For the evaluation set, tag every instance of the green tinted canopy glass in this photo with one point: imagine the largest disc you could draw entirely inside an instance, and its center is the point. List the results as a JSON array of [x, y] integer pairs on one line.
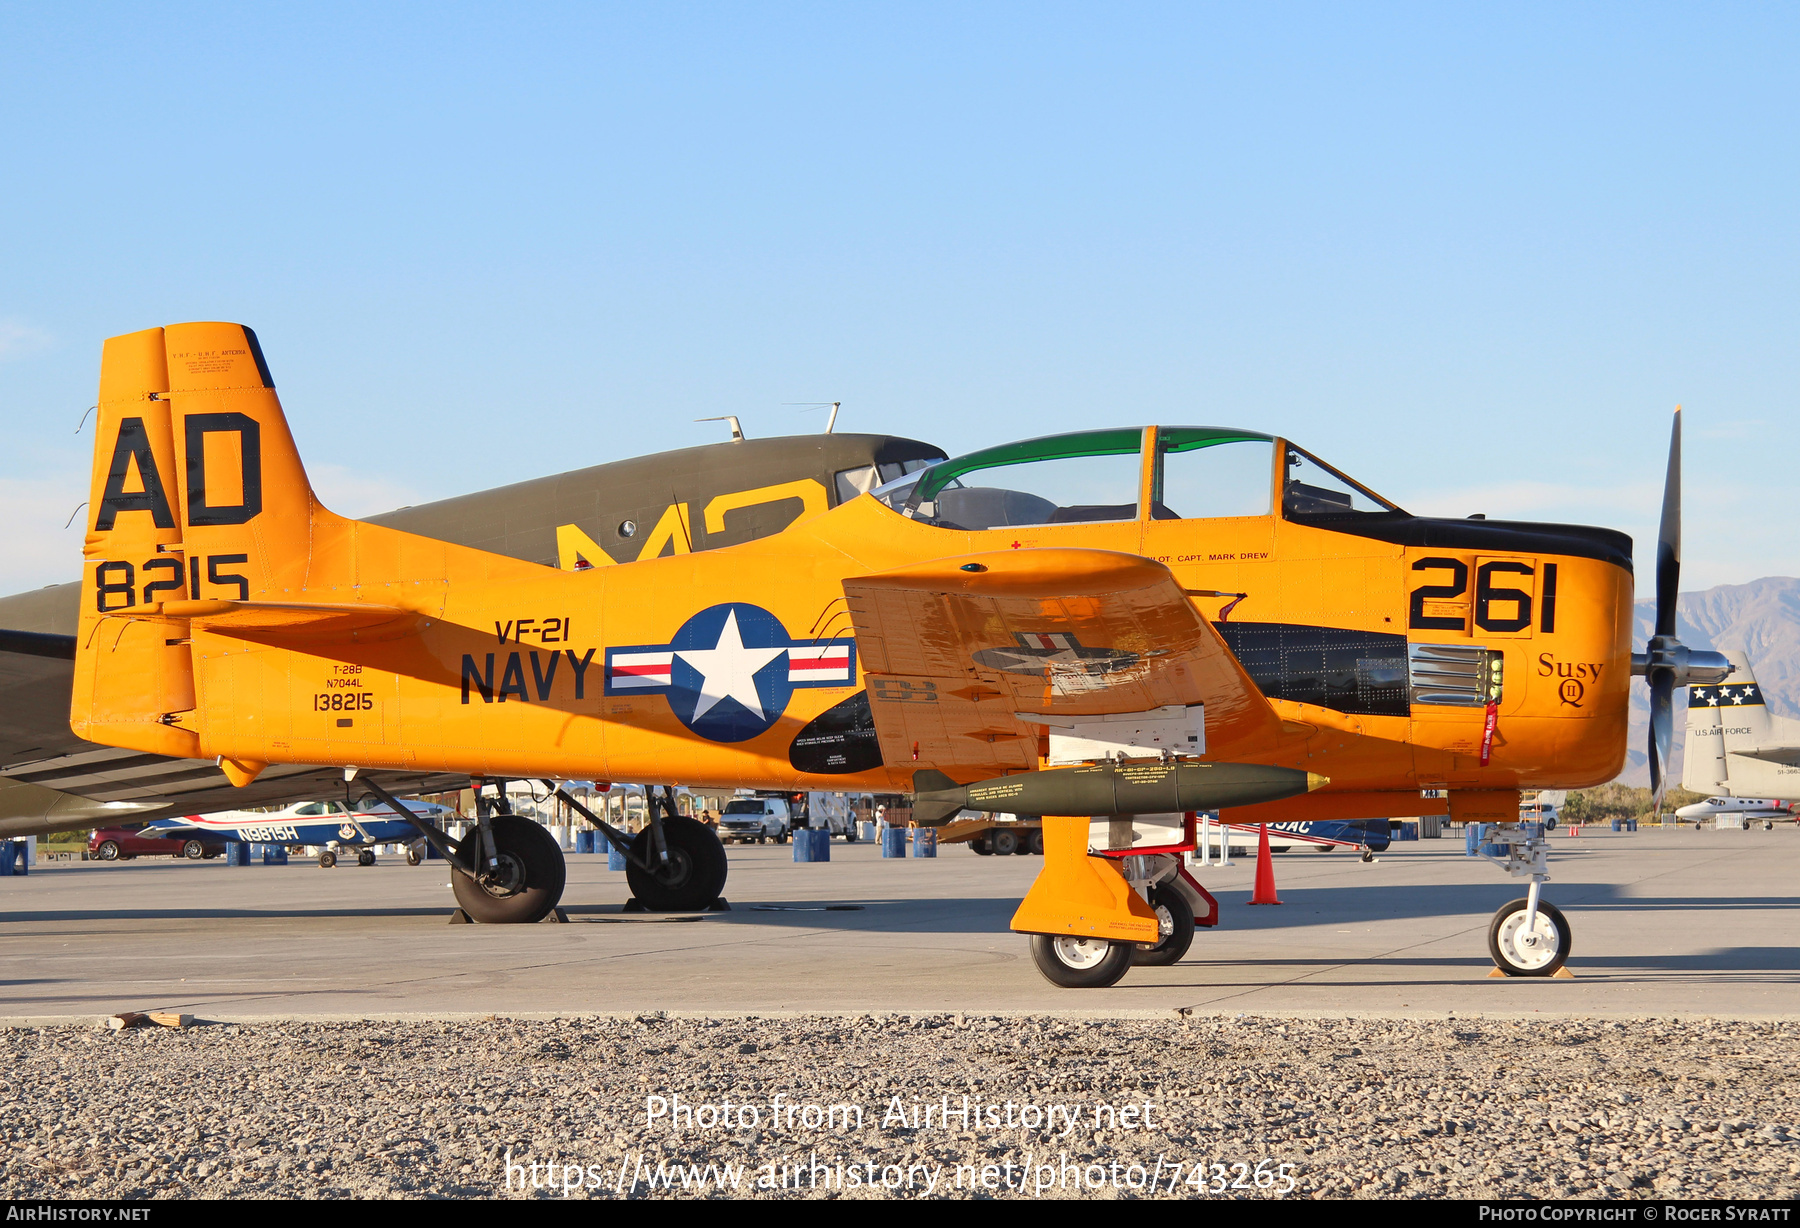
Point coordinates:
[[1188, 438], [1051, 447]]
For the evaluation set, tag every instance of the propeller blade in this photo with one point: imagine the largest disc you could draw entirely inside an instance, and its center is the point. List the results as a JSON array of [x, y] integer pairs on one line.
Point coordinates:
[[1662, 732], [1668, 537]]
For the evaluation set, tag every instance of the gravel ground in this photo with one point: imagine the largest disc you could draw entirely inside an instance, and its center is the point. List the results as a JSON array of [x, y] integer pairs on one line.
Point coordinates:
[[1357, 1107]]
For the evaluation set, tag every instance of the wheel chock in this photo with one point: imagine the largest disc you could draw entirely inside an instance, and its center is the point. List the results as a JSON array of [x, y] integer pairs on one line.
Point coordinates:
[[558, 916], [719, 905], [634, 905], [1561, 974], [459, 917]]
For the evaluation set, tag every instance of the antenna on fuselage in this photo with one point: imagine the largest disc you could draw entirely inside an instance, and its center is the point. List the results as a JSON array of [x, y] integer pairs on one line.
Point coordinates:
[[737, 432], [830, 422]]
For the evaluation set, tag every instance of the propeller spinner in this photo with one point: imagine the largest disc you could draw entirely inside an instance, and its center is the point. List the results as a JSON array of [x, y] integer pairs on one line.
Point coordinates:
[[1669, 663]]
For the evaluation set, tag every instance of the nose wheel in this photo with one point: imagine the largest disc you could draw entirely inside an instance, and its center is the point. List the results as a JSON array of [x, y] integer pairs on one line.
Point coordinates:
[[1537, 949]]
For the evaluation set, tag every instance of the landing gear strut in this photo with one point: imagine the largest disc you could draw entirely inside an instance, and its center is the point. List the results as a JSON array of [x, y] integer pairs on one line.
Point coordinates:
[[522, 881], [508, 870], [676, 864], [1528, 937]]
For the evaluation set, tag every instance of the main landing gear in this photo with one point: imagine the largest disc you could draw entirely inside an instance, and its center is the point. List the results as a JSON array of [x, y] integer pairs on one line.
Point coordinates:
[[508, 869], [676, 864], [1127, 909], [519, 881], [1527, 937]]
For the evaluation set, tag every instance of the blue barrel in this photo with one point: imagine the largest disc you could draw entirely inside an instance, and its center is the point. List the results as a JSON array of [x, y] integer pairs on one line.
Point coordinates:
[[1472, 833], [584, 841], [615, 860], [893, 842], [1409, 831], [9, 858], [1631, 824], [924, 842], [812, 844], [1617, 825], [237, 853]]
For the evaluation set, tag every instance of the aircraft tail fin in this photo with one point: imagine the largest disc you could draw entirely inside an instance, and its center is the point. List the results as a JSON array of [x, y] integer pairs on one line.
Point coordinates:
[[201, 521], [1725, 720]]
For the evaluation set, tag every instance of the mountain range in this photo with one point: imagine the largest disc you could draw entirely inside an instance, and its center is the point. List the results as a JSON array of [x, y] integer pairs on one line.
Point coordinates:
[[1761, 619]]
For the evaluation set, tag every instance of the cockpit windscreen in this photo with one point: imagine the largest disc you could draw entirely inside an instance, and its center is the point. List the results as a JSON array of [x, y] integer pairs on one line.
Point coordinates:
[[1313, 490]]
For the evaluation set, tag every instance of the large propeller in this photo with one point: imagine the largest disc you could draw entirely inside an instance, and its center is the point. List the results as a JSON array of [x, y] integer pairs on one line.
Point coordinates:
[[1669, 663]]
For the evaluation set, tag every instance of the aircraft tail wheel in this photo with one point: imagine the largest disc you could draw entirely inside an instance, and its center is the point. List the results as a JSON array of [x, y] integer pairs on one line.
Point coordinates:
[[1175, 921], [327, 859], [1080, 963], [526, 884], [694, 875], [1539, 953]]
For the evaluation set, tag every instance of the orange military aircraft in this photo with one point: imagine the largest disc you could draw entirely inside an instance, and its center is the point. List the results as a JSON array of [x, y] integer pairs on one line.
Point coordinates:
[[1113, 629]]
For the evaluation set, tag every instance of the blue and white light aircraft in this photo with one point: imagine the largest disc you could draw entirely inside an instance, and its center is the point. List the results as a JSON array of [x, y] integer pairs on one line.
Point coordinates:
[[332, 827]]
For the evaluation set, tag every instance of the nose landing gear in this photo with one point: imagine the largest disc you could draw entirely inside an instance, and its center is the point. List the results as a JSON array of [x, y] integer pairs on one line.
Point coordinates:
[[1527, 937]]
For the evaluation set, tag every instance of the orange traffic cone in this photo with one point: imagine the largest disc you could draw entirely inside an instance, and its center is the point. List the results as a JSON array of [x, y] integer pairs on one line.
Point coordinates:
[[1265, 871]]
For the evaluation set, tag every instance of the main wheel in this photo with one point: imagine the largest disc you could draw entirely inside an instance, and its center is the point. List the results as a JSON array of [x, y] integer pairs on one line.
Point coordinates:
[[365, 857], [1004, 843], [1539, 953], [1080, 963], [1325, 848], [526, 884], [327, 859], [1175, 922], [693, 876], [193, 850]]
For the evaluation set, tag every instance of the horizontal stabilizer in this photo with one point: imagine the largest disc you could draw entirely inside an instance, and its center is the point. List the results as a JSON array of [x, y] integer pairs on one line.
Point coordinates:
[[273, 619]]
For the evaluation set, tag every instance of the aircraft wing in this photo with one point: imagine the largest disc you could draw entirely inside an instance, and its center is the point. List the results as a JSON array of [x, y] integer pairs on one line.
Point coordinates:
[[960, 653]]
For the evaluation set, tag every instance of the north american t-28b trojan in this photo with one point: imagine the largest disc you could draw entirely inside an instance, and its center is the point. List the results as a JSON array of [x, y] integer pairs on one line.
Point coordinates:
[[1114, 629]]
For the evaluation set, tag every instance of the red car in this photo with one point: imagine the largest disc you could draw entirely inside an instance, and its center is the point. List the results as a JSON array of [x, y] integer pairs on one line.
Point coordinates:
[[124, 843]]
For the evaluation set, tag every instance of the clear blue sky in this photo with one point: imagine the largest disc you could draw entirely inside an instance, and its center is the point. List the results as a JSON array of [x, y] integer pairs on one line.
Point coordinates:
[[1474, 255]]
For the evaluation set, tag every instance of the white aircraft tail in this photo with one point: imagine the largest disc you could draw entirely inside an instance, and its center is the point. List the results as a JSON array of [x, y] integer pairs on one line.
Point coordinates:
[[1734, 746]]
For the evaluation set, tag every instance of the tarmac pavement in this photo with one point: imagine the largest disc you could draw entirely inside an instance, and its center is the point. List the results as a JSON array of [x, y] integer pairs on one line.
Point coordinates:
[[1666, 923]]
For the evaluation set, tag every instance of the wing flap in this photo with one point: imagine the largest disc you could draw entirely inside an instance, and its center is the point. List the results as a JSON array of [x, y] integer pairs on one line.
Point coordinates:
[[962, 652]]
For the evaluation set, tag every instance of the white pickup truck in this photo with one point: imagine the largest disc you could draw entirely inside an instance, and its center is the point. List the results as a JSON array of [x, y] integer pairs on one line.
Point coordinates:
[[755, 818]]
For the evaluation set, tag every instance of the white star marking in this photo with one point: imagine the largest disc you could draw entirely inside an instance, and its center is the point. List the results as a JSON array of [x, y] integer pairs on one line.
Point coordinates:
[[728, 670]]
